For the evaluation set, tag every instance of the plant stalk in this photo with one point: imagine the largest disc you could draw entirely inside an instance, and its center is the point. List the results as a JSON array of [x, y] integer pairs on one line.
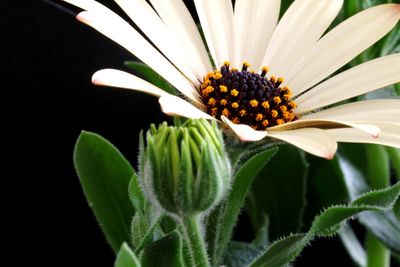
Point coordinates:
[[379, 177], [195, 241]]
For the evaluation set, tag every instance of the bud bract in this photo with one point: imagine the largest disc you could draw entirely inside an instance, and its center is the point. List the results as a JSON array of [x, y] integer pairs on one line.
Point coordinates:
[[185, 170]]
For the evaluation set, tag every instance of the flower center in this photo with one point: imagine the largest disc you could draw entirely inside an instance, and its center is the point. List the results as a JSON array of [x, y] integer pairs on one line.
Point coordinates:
[[247, 97]]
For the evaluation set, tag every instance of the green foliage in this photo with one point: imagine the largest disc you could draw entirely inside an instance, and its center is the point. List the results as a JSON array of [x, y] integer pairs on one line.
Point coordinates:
[[279, 191], [105, 175], [126, 257], [221, 221], [165, 252], [327, 223]]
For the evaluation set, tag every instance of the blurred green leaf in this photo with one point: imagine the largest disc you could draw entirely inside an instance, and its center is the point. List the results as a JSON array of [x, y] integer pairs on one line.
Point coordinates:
[[353, 246], [394, 155], [105, 174], [240, 254], [384, 226], [164, 252], [327, 223], [148, 74], [279, 191], [126, 257], [221, 221]]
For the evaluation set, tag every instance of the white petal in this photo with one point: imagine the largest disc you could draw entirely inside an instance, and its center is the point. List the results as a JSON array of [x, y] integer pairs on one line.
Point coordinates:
[[359, 80], [342, 44], [178, 19], [299, 29], [176, 106], [312, 140], [390, 135], [121, 79], [122, 33], [378, 110], [244, 132], [326, 124], [144, 16], [216, 17], [254, 23]]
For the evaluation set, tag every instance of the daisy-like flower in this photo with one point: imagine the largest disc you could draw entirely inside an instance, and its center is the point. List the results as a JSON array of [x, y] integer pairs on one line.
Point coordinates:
[[283, 92]]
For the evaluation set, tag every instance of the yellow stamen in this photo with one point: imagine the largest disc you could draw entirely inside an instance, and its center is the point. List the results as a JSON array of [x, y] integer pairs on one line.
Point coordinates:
[[214, 111], [235, 105], [265, 123], [281, 80], [277, 100], [223, 88], [273, 79], [280, 121], [265, 104], [254, 103], [217, 75], [223, 102], [234, 92], [208, 90], [236, 120], [242, 112], [227, 63], [274, 113], [225, 112], [283, 108], [211, 101], [259, 117]]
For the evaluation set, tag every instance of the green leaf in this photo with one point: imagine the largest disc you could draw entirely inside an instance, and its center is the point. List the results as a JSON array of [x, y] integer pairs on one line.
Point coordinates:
[[126, 257], [384, 226], [279, 191], [105, 174], [240, 254], [148, 74], [166, 252], [327, 223], [394, 155], [221, 221], [136, 195]]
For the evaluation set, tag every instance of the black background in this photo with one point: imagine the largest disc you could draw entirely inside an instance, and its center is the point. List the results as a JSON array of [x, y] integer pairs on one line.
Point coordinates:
[[46, 61]]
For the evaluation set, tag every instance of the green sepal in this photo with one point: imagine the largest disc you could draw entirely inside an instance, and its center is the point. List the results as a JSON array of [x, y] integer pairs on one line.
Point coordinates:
[[221, 221], [164, 252], [126, 257], [284, 251], [105, 175]]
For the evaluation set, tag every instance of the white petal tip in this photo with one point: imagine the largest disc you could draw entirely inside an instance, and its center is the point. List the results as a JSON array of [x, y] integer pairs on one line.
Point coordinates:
[[244, 132]]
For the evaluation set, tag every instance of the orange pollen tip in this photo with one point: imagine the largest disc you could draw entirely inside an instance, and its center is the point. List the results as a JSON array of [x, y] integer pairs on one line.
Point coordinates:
[[283, 108], [265, 123], [265, 69], [272, 79], [235, 105], [211, 101], [287, 115], [246, 64], [214, 111], [234, 69], [281, 80], [265, 104], [292, 104], [242, 112], [259, 117], [234, 92], [227, 63], [225, 112], [223, 102], [274, 113], [254, 103], [236, 120], [217, 75], [277, 100], [286, 97], [280, 121], [223, 88]]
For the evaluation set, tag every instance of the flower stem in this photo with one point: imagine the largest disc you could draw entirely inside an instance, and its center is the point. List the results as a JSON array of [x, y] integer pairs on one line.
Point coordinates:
[[379, 177], [195, 241]]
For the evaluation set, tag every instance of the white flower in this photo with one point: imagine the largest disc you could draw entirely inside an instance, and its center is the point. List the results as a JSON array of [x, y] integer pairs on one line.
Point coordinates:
[[295, 49]]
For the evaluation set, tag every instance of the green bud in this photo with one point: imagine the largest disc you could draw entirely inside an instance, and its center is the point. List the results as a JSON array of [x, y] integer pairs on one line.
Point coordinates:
[[184, 170]]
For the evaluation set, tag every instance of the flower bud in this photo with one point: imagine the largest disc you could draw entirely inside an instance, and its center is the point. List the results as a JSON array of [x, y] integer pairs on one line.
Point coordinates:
[[185, 170]]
